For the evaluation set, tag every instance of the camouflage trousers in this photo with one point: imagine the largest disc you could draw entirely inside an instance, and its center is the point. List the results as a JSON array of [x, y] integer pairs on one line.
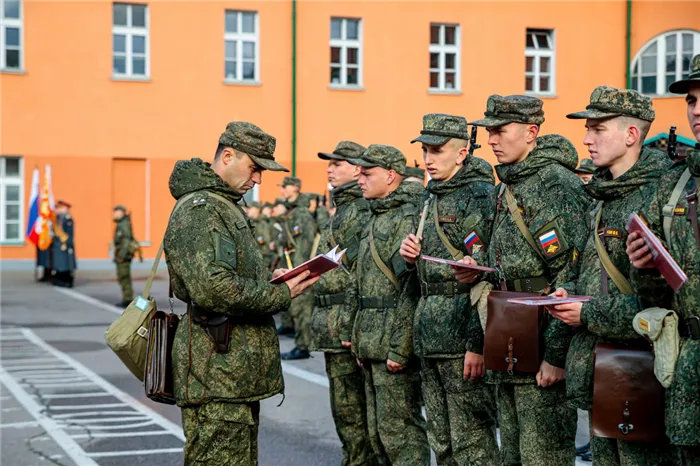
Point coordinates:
[[538, 425], [286, 319], [124, 279], [461, 414], [221, 434], [688, 456], [394, 418], [349, 408], [301, 309], [613, 452]]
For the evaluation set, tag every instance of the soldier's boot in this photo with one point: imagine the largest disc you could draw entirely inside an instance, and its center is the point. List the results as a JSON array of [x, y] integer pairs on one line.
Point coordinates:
[[296, 353], [582, 450], [282, 330]]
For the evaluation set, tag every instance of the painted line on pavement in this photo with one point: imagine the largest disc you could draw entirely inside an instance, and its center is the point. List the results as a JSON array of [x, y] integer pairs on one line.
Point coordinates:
[[89, 300]]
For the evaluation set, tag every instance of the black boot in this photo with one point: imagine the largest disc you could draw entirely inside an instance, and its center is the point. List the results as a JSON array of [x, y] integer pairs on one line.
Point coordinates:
[[296, 353], [583, 449], [282, 330]]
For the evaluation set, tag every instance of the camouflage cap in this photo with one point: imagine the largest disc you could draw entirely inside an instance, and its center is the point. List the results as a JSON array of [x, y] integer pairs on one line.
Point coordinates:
[[415, 172], [120, 207], [279, 201], [585, 167], [682, 86], [439, 128], [379, 155], [290, 181], [511, 109], [254, 142], [268, 204], [609, 102], [61, 202], [255, 204], [343, 151]]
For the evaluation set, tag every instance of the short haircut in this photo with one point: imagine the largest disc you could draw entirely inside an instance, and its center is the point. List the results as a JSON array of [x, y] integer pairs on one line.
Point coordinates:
[[459, 143], [625, 122]]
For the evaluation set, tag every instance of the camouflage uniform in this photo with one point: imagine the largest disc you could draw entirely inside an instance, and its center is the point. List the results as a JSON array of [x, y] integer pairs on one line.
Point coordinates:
[[537, 424], [345, 377], [123, 237], [607, 318], [461, 414], [214, 262], [383, 323], [263, 236]]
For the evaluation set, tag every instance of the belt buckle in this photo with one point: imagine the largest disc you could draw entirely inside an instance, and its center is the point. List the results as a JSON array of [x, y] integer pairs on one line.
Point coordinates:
[[693, 325], [450, 289]]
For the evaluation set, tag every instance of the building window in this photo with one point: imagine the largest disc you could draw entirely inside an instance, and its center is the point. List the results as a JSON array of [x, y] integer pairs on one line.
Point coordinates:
[[346, 52], [11, 34], [663, 60], [444, 57], [242, 49], [11, 194], [130, 40], [539, 61]]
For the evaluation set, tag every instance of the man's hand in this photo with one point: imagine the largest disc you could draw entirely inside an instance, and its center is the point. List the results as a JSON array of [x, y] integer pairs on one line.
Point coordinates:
[[638, 252], [473, 366], [410, 248], [272, 247], [549, 375], [279, 272], [346, 344], [570, 313], [300, 283], [466, 275], [394, 366]]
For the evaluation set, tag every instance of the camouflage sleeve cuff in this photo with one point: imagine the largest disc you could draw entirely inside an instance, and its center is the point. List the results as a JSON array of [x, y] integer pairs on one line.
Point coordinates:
[[396, 357], [475, 347], [584, 312], [556, 356], [344, 336]]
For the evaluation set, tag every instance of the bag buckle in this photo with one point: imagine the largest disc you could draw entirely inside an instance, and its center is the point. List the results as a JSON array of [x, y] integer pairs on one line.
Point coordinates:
[[142, 332], [626, 427], [510, 359]]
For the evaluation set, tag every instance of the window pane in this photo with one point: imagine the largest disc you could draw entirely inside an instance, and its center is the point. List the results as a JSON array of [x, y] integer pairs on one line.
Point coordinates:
[[543, 41], [635, 82], [248, 70], [651, 50], [671, 43], [138, 66], [11, 166], [544, 65], [434, 60], [450, 35], [434, 80], [12, 58], [335, 54], [649, 85], [353, 29], [12, 37], [335, 75], [119, 41], [649, 65], [12, 212], [11, 231], [352, 76], [12, 194], [528, 83], [685, 65], [450, 61], [544, 84], [450, 81], [529, 41], [687, 42], [529, 64], [138, 44], [231, 21], [248, 49], [138, 15], [352, 55], [230, 49], [335, 28], [248, 22], [119, 64], [435, 34], [671, 63], [230, 70], [12, 9], [119, 13]]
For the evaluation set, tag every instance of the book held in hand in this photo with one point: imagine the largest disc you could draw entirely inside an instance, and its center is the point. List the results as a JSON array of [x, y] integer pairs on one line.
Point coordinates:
[[663, 260], [457, 264], [550, 300], [317, 266]]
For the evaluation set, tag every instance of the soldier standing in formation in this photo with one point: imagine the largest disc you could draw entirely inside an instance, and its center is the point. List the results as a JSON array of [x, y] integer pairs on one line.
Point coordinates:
[[63, 247], [124, 247], [263, 232], [585, 171]]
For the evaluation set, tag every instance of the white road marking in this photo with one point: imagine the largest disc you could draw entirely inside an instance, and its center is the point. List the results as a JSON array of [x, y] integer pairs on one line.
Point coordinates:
[[135, 452], [19, 425], [290, 369], [90, 300]]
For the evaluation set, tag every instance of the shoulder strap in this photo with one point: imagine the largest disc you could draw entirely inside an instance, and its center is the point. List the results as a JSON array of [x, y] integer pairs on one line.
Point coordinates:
[[288, 233], [613, 272], [314, 247], [379, 262], [668, 209], [454, 252], [234, 208], [518, 219]]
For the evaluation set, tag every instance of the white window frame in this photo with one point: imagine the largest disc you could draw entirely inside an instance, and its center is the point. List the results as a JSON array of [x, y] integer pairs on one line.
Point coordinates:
[[253, 195], [661, 52], [536, 54], [442, 49], [129, 32], [11, 23], [240, 37], [12, 181], [343, 43]]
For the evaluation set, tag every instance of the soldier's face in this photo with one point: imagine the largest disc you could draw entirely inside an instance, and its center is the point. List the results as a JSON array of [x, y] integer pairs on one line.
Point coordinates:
[[117, 214], [375, 182], [239, 171], [278, 210], [442, 162], [341, 172], [585, 177], [693, 101], [253, 212], [267, 211], [605, 140], [289, 191], [510, 143]]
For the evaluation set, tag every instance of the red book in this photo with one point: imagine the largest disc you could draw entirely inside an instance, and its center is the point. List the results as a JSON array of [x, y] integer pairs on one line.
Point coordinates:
[[457, 264], [318, 266], [663, 260]]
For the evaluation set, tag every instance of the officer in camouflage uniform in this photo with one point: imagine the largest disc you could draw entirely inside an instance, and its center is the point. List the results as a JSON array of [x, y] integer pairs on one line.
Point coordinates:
[[263, 233], [461, 412], [585, 171], [680, 218], [63, 247], [123, 253], [345, 378], [299, 230], [537, 424], [217, 269], [627, 176], [386, 293]]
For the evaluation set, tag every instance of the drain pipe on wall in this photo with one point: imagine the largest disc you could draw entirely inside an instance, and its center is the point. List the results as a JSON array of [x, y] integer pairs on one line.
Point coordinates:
[[294, 87], [628, 39]]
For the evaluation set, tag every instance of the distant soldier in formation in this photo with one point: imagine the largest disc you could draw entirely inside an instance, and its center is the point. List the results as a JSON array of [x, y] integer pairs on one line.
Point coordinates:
[[63, 246], [585, 171], [125, 247]]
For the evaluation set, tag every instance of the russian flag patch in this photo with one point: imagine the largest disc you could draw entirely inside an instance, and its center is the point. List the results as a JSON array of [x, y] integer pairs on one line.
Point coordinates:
[[550, 242], [473, 242]]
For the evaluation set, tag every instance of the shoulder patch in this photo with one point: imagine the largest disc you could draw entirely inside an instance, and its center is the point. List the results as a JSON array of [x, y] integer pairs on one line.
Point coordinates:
[[199, 200], [549, 242], [473, 242]]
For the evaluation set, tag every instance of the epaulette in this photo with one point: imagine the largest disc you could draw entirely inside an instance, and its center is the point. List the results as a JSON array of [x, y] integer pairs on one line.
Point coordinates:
[[199, 199]]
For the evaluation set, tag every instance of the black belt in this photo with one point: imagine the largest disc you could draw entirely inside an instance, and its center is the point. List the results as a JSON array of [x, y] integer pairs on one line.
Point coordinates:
[[690, 328], [532, 284], [444, 288], [378, 302], [328, 300]]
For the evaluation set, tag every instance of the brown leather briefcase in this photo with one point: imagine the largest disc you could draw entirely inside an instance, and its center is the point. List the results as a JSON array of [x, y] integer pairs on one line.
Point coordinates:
[[158, 379], [513, 336], [628, 400]]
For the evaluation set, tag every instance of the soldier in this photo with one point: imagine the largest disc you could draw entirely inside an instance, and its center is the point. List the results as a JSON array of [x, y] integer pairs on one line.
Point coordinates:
[[63, 246], [263, 233], [226, 351], [539, 227], [318, 209], [415, 174], [461, 412], [674, 218], [385, 291], [627, 174], [299, 229], [585, 171], [124, 249], [331, 327], [266, 211]]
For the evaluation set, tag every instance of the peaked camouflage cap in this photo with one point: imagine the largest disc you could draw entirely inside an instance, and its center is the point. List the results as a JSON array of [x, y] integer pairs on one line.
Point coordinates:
[[438, 128], [609, 102], [511, 109], [255, 204], [379, 155], [290, 181], [585, 167], [343, 151], [253, 141], [279, 201], [415, 172], [120, 207], [682, 86]]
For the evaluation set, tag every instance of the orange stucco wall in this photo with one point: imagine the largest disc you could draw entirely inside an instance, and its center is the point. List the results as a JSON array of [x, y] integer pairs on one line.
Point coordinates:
[[68, 112]]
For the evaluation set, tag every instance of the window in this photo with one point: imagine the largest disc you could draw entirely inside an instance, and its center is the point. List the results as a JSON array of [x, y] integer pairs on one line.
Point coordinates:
[[346, 52], [130, 40], [444, 57], [11, 193], [11, 34], [663, 60], [539, 61], [242, 50]]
